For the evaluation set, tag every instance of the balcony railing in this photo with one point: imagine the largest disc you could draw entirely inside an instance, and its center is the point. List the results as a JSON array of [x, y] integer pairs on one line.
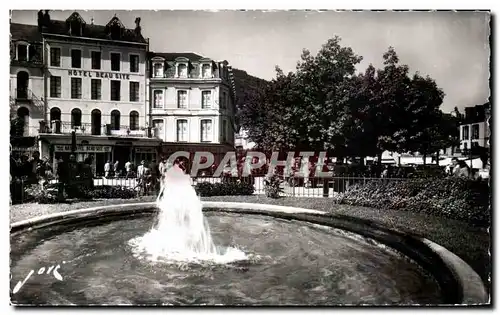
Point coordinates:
[[58, 127], [26, 96]]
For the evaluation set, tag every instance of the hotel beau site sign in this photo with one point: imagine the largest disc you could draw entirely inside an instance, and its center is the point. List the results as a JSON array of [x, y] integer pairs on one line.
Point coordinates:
[[99, 74]]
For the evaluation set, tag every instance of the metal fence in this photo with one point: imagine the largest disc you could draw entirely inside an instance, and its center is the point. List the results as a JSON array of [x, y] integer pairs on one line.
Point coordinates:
[[291, 187]]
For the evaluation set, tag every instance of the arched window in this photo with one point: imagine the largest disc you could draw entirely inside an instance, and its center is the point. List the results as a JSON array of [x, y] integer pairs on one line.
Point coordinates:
[[55, 114], [115, 120], [24, 115], [134, 120], [23, 79], [96, 121], [76, 118]]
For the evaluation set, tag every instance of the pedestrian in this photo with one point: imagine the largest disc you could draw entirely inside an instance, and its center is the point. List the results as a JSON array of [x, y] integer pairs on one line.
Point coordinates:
[[455, 168], [128, 169], [140, 169], [107, 169], [116, 168]]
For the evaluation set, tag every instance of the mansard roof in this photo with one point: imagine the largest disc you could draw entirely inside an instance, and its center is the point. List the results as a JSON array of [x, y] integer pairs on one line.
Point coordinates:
[[29, 33], [96, 32], [173, 56]]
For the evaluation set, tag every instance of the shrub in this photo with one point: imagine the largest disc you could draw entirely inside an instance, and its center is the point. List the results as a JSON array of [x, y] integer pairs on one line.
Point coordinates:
[[41, 194], [229, 188], [455, 198], [272, 186], [112, 192]]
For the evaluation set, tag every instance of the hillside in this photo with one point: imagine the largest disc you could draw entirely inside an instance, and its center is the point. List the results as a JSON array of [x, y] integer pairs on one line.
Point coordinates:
[[246, 86]]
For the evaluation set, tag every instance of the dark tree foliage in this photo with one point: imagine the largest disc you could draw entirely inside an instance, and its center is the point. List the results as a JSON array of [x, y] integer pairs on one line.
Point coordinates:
[[324, 105]]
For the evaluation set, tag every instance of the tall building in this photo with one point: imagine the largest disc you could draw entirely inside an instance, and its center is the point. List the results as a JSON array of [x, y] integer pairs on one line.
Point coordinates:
[[192, 103], [73, 76]]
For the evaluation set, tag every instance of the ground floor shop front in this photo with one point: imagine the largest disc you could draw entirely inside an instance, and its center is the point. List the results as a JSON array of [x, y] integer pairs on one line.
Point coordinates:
[[101, 150]]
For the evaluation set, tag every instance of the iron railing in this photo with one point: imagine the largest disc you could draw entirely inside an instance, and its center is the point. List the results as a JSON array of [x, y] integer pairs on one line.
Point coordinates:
[[295, 187], [59, 127], [25, 95]]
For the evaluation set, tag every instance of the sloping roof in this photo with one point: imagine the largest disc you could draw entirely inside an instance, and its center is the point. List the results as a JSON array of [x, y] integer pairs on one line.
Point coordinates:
[[173, 56], [31, 33], [94, 31], [25, 32]]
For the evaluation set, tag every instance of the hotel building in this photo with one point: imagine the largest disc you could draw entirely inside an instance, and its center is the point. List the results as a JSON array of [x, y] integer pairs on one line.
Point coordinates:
[[192, 104], [92, 81]]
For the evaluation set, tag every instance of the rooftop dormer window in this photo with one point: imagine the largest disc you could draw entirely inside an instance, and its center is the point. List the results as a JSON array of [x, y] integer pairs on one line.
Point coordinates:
[[115, 28], [182, 70], [206, 70], [76, 29], [158, 69], [22, 52], [75, 24]]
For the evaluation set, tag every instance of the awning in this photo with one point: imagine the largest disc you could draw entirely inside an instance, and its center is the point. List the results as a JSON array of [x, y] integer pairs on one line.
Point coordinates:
[[474, 163]]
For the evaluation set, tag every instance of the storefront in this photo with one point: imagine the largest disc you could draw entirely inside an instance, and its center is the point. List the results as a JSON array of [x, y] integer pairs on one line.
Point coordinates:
[[99, 154], [147, 154], [101, 149]]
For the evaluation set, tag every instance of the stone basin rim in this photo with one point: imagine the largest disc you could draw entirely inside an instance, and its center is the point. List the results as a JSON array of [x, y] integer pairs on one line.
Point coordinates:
[[472, 288]]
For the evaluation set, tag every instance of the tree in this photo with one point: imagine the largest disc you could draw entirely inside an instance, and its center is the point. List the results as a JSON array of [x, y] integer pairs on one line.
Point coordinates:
[[300, 110], [323, 105], [16, 126], [402, 112]]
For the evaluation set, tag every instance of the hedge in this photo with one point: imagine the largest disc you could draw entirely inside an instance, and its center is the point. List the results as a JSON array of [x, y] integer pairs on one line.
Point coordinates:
[[239, 188], [451, 197], [48, 193]]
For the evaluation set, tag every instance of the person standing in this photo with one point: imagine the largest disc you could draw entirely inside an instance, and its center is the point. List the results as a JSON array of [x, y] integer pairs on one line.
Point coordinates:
[[61, 174], [107, 169], [36, 166], [140, 169], [116, 168], [162, 166], [128, 169], [454, 168]]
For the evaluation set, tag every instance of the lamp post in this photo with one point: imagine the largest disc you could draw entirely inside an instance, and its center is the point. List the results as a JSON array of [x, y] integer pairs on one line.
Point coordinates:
[[73, 142]]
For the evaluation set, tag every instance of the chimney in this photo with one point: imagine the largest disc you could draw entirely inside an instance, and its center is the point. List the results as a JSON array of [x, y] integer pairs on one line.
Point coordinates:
[[138, 26], [46, 19], [40, 20]]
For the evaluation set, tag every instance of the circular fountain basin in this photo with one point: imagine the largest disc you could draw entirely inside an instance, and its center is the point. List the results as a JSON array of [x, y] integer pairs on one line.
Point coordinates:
[[289, 260]]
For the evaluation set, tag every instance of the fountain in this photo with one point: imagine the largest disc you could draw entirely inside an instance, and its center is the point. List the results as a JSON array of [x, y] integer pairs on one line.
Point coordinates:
[[213, 253], [182, 233]]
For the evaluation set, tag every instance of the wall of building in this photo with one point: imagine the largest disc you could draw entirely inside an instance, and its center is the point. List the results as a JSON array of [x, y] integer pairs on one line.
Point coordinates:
[[193, 113], [66, 104], [482, 140], [36, 86]]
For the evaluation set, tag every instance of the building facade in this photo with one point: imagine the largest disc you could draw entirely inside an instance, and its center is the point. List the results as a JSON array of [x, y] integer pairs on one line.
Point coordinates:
[[101, 85], [93, 82], [474, 129], [26, 86], [192, 104]]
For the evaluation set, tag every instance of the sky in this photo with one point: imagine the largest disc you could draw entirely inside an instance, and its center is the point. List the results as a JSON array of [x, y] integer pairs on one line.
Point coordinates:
[[451, 47]]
